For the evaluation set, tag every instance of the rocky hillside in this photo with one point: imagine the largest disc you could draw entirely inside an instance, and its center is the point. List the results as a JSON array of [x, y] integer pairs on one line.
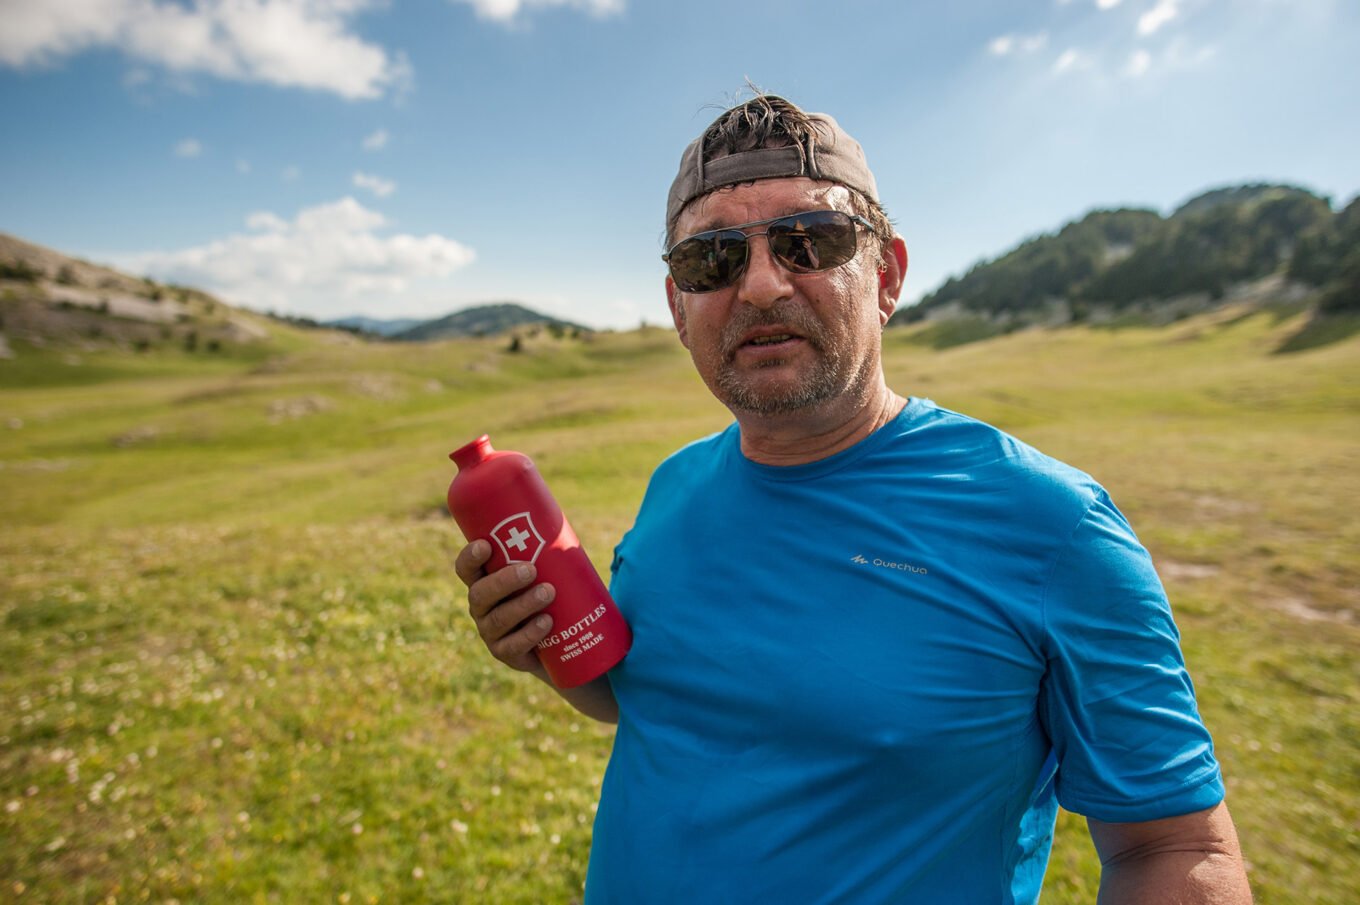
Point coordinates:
[[50, 299]]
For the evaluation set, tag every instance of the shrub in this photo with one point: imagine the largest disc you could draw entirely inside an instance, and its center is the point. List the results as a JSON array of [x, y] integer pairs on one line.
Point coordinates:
[[19, 270]]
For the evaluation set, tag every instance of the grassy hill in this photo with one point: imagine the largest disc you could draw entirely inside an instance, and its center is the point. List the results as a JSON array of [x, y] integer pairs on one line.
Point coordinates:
[[237, 665]]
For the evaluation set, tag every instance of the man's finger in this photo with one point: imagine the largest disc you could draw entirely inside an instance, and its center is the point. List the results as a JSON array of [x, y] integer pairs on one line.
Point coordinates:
[[468, 565], [485, 593], [517, 644], [507, 616]]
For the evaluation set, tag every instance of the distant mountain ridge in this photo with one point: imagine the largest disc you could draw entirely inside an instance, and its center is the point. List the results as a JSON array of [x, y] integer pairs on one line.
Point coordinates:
[[483, 320], [374, 325], [1113, 261]]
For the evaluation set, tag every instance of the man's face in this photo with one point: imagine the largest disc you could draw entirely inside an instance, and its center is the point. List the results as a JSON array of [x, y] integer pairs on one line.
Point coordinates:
[[777, 342]]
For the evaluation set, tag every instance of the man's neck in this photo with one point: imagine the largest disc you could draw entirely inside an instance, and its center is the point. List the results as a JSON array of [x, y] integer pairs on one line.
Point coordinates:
[[796, 438]]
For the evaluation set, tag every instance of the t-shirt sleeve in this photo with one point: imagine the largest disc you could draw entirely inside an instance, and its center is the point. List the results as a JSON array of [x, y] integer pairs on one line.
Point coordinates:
[[1116, 700]]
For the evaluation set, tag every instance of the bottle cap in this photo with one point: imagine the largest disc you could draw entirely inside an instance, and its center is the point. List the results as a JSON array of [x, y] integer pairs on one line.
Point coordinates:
[[474, 452]]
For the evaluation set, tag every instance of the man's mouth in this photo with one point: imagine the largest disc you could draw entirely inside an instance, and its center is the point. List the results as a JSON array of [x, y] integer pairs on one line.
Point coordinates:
[[772, 339], [774, 335]]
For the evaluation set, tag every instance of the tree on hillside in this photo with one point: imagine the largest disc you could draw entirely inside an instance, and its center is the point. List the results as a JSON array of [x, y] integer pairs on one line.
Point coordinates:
[[1122, 257], [1237, 196], [1324, 256], [1212, 247], [1044, 268], [1342, 291]]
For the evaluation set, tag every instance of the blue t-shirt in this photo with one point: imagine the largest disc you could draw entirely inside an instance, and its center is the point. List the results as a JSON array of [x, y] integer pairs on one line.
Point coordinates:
[[873, 678]]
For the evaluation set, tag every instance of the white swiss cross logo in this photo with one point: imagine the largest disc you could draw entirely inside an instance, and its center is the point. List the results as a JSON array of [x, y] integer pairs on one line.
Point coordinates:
[[518, 539]]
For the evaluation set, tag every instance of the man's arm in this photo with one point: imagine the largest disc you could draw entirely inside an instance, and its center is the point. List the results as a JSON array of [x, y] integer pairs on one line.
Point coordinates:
[[503, 605], [1193, 859]]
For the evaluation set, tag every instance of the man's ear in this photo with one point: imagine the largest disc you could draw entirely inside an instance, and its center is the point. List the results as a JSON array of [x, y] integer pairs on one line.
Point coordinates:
[[891, 279], [677, 307]]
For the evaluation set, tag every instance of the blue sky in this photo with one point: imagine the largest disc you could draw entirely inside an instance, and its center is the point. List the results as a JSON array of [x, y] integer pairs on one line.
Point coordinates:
[[404, 158]]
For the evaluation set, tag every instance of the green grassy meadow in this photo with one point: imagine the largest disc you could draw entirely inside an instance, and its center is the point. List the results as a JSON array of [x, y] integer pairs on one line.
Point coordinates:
[[235, 665]]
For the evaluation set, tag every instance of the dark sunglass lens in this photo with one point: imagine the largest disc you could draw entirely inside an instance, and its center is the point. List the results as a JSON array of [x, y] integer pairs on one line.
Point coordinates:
[[708, 261], [818, 240]]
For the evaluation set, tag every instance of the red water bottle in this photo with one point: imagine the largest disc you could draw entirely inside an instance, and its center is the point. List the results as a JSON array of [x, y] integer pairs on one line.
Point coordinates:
[[501, 496]]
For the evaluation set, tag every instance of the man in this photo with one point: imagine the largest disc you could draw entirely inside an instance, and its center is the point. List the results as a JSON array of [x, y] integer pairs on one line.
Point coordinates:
[[876, 643]]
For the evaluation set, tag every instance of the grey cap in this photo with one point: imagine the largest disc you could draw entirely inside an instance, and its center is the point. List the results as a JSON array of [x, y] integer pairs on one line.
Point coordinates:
[[832, 156]]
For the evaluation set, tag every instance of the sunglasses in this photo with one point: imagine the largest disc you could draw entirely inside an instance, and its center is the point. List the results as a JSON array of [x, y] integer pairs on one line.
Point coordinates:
[[802, 243]]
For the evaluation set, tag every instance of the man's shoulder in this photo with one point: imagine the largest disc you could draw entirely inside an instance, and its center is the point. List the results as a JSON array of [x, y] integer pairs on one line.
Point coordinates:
[[695, 457], [949, 446], [964, 440]]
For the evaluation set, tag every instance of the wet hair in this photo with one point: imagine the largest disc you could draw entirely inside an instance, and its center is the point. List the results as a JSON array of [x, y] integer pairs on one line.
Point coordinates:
[[768, 121]]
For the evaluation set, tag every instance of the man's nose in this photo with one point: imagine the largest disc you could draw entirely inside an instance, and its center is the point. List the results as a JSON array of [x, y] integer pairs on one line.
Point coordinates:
[[765, 281]]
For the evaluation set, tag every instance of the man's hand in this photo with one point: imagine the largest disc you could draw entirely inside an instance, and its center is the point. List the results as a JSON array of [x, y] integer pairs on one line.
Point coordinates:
[[1189, 860], [506, 610], [503, 609]]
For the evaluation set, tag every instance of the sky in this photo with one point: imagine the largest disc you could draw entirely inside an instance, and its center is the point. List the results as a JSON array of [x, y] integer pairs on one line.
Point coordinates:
[[409, 158]]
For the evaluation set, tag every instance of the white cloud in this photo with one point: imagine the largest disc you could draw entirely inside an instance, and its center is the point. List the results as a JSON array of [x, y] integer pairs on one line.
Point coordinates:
[[189, 147], [327, 260], [290, 43], [375, 184], [1159, 15], [506, 11], [1139, 62], [1107, 4], [1182, 54], [1006, 45], [1071, 60], [377, 141], [266, 222]]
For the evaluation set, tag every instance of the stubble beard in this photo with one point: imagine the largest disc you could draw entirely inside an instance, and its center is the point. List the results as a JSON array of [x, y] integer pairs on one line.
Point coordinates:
[[831, 375]]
